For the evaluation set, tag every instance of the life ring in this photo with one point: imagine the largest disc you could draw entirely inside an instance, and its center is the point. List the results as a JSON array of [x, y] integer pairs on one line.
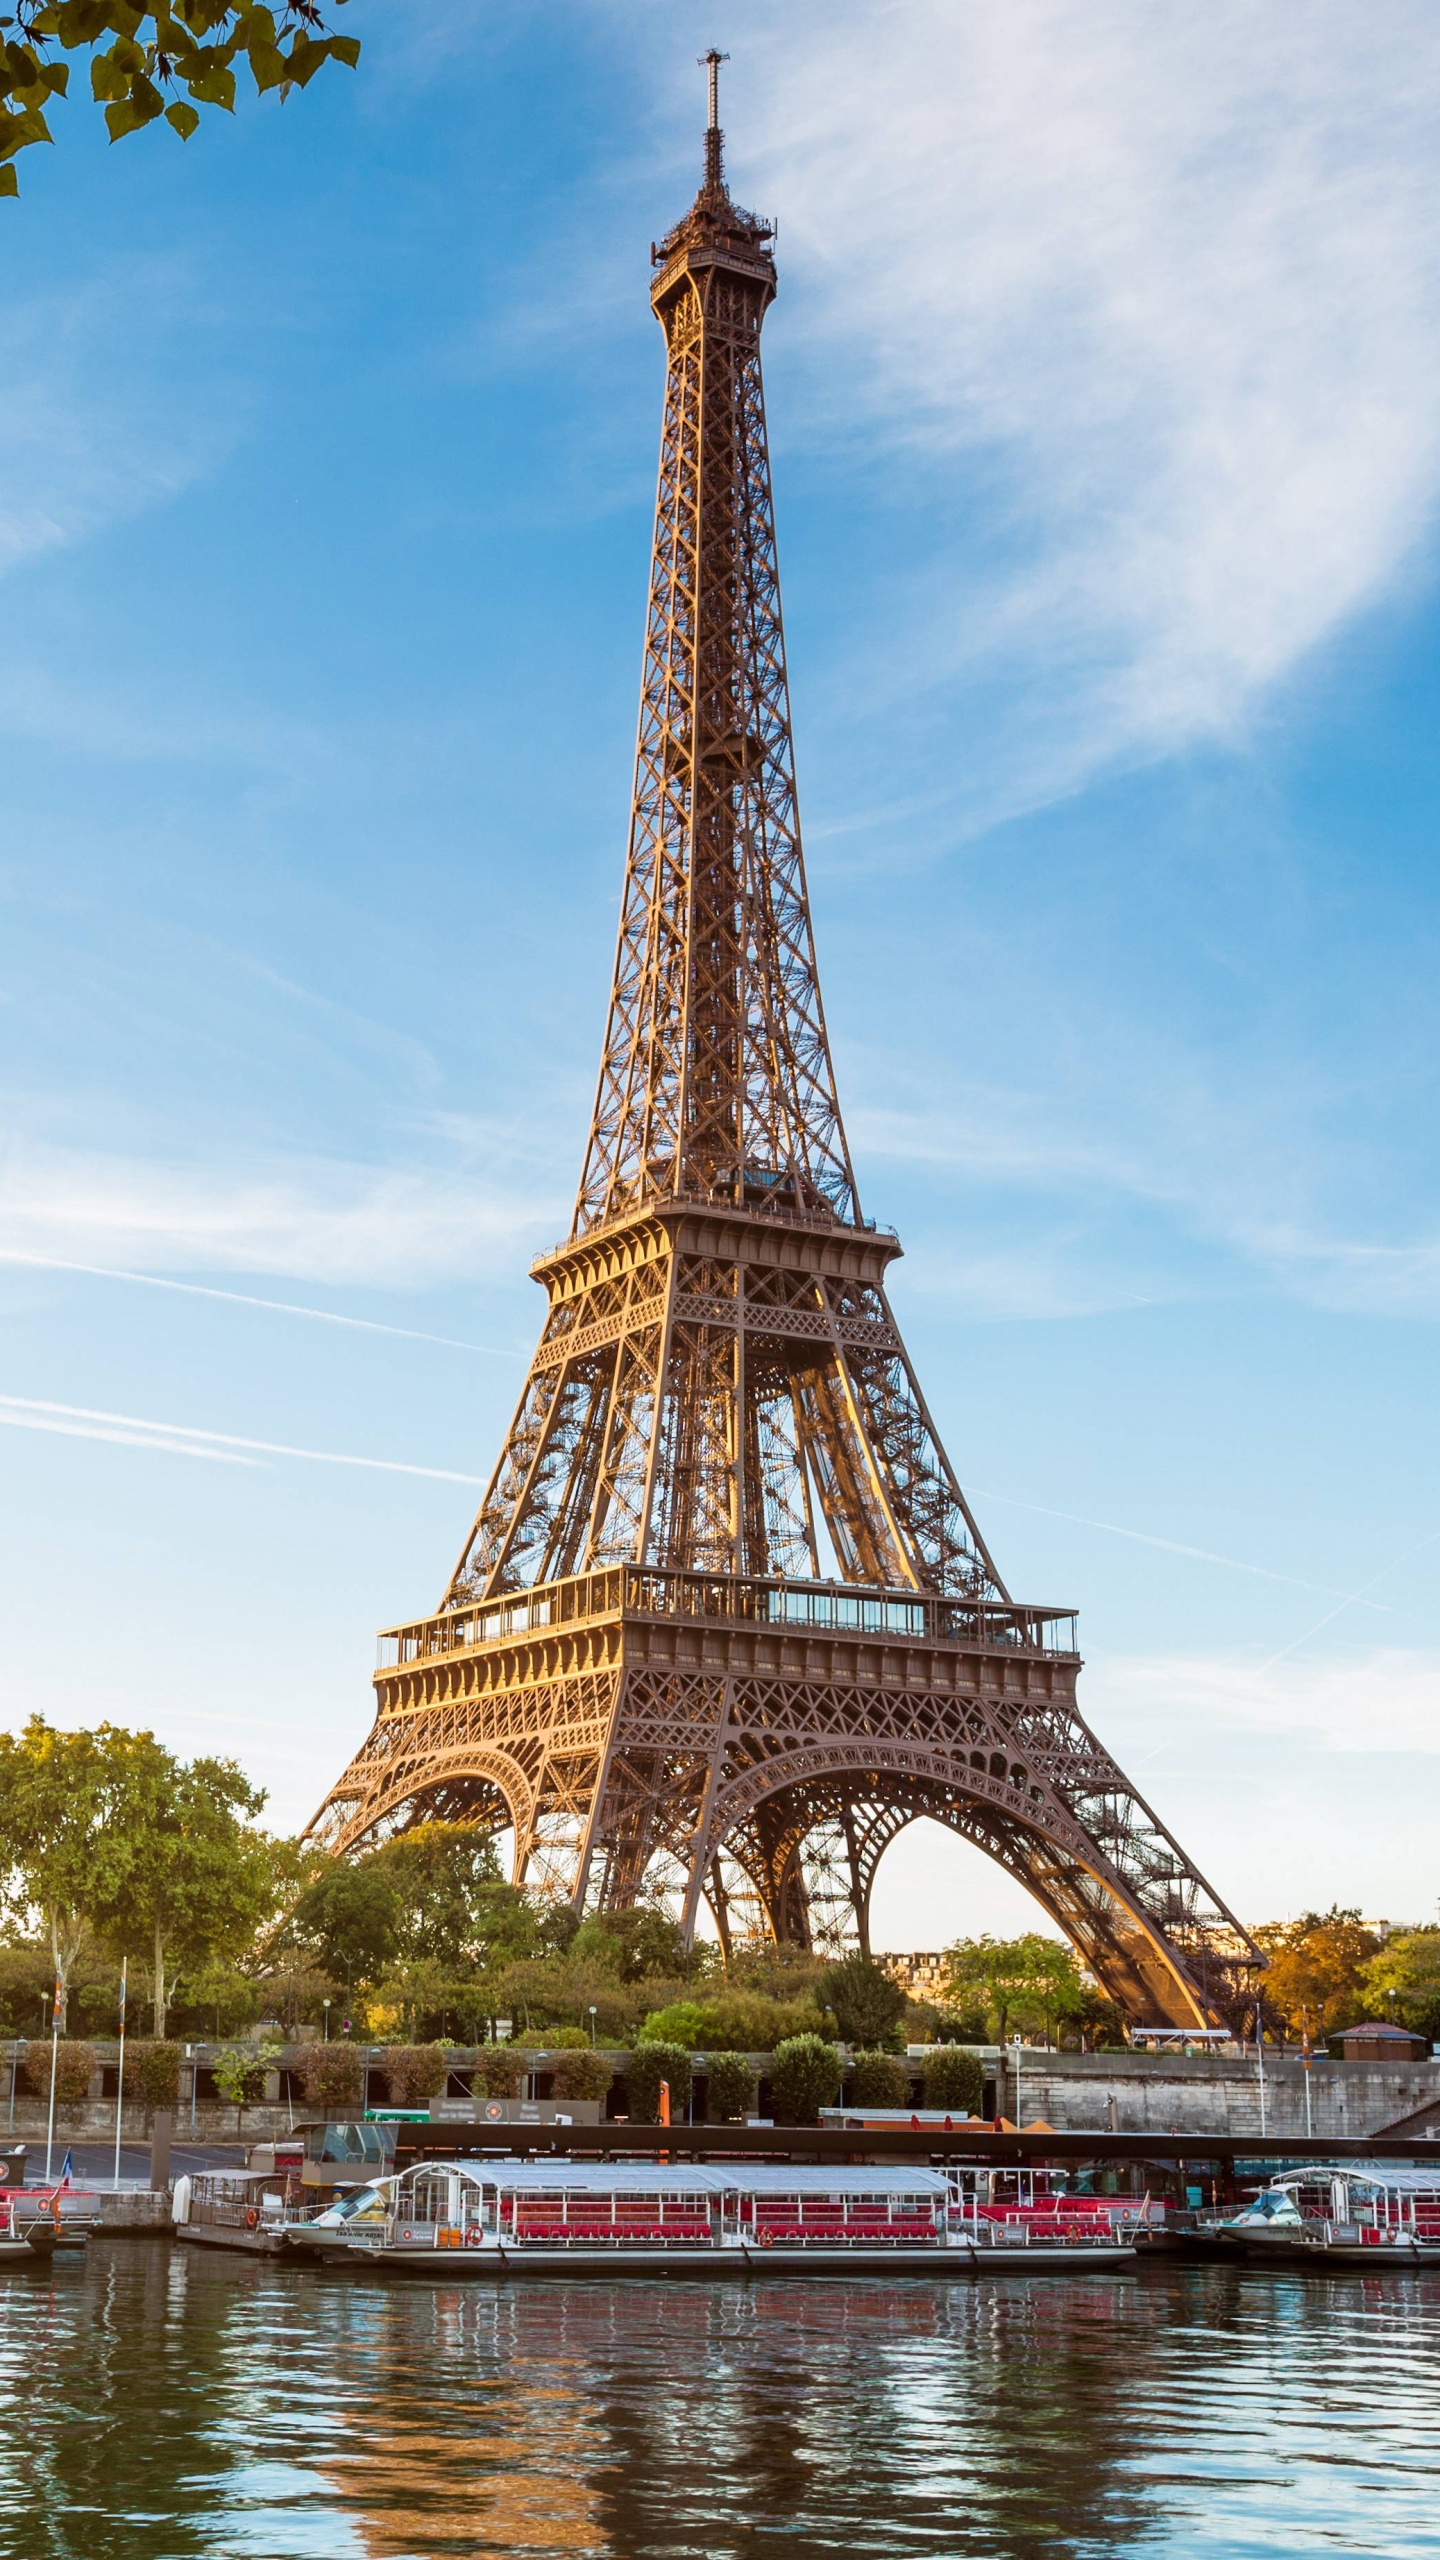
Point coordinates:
[[252, 2218], [407, 2235], [493, 2113], [764, 2238]]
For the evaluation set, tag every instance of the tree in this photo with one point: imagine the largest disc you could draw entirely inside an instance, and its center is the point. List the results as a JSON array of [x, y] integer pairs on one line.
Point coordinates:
[[805, 2075], [349, 1920], [61, 1802], [879, 2080], [1404, 1980], [867, 2005], [190, 1879], [1317, 1969], [1033, 1981], [730, 2088], [648, 2066], [139, 55], [954, 2078], [240, 2072]]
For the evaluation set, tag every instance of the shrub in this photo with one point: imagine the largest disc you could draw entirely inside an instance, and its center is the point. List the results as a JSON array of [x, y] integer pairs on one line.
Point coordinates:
[[240, 2074], [879, 2080], [416, 2072], [647, 2067], [867, 2004], [683, 2023], [566, 2039], [731, 2090], [805, 2075], [582, 2075], [954, 2078], [152, 2073], [74, 2070], [502, 2073], [332, 2075]]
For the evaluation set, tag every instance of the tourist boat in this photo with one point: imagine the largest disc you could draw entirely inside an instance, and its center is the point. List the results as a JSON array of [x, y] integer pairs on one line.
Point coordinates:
[[1369, 2214], [25, 2240], [569, 2217], [245, 2209]]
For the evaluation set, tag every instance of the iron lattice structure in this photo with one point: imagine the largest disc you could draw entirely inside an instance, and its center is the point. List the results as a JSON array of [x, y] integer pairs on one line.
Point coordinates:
[[725, 1623]]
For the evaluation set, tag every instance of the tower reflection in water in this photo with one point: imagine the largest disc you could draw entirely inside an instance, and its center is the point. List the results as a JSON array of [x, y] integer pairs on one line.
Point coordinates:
[[169, 2406]]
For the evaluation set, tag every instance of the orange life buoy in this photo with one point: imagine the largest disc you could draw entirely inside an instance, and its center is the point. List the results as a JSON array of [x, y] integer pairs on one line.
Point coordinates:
[[252, 2218], [764, 2239]]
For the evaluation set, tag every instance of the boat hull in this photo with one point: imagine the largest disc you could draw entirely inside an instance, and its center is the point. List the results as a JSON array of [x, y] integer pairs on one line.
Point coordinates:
[[738, 2259]]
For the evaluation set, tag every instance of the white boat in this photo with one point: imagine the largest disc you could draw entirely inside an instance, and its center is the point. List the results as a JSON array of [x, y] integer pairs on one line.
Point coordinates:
[[1372, 2214], [25, 2241], [568, 2217]]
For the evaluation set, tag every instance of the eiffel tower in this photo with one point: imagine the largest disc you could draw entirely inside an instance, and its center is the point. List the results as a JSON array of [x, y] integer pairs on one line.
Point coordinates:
[[725, 1623]]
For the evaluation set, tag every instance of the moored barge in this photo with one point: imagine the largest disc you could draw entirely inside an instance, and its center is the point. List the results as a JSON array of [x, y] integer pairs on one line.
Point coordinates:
[[489, 2217]]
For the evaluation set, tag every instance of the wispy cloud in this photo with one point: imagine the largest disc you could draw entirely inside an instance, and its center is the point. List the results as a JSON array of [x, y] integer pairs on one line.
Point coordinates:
[[307, 1218], [242, 1298], [1384, 1700], [188, 1440], [85, 438], [1171, 280]]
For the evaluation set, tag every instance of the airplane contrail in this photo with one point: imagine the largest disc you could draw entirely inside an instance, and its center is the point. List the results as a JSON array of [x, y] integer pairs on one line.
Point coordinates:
[[184, 1439], [242, 1298]]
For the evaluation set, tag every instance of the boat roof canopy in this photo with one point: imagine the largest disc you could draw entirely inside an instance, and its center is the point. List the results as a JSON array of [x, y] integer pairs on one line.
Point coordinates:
[[650, 2177]]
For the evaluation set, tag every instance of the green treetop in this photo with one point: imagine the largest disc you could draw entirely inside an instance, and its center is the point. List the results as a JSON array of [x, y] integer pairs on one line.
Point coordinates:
[[186, 52]]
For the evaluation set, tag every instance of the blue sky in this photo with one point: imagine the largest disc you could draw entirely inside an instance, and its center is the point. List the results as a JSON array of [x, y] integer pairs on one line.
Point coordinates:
[[1104, 394]]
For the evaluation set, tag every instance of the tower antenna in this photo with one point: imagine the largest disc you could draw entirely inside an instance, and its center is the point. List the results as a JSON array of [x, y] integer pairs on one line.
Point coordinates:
[[714, 138]]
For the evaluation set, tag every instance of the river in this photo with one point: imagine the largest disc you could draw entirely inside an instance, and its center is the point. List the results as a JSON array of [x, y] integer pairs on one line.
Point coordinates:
[[163, 2401]]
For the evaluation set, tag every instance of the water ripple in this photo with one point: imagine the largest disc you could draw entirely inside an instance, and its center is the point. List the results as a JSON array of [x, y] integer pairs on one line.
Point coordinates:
[[167, 2404]]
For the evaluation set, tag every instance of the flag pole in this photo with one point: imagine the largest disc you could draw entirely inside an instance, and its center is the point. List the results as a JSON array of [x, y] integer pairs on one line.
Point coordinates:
[[54, 2059], [120, 2078]]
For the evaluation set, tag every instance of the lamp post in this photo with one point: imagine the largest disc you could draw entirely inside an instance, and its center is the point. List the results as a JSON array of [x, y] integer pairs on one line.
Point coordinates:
[[1016, 2041], [325, 2005], [54, 2062], [120, 2074], [1260, 2064], [592, 2026]]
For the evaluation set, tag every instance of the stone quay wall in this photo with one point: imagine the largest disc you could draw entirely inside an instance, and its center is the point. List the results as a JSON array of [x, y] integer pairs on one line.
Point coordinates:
[[1207, 2093]]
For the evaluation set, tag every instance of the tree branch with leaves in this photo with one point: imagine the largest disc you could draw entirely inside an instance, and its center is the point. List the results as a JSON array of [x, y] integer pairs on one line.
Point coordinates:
[[148, 65]]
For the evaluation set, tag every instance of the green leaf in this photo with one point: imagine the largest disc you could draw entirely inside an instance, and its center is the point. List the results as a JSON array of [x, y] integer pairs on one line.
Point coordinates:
[[107, 80], [80, 22], [183, 118], [304, 59], [346, 49], [9, 183], [214, 89], [128, 115], [267, 63]]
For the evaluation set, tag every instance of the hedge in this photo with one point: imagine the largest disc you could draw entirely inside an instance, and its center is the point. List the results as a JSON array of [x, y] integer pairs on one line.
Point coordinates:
[[332, 2075], [731, 2090], [152, 2073], [74, 2071], [954, 2078], [416, 2072], [879, 2080]]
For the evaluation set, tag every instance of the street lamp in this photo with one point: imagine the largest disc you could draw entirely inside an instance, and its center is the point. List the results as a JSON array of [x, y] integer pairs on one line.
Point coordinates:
[[592, 2026], [325, 2005]]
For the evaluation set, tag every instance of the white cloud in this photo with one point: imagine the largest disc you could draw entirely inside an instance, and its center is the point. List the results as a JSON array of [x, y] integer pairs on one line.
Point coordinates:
[[1169, 278], [1386, 1700], [308, 1218]]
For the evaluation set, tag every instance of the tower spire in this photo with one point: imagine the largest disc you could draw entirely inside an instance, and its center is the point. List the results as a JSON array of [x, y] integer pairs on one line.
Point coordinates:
[[714, 138]]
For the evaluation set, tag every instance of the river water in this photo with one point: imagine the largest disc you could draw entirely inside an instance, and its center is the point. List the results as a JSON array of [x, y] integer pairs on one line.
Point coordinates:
[[163, 2401]]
